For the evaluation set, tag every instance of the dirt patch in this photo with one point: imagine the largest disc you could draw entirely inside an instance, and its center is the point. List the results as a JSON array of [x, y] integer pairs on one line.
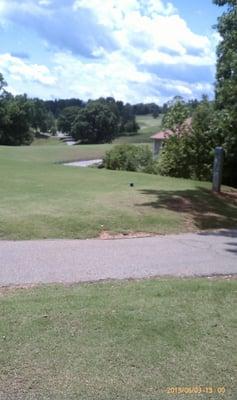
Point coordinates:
[[11, 289], [230, 195], [181, 204], [6, 289], [105, 235]]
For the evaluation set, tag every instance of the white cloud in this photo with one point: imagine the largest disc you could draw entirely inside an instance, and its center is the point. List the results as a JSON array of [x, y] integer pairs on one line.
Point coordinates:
[[118, 77], [155, 23], [114, 13], [20, 70], [121, 48], [151, 57], [44, 2]]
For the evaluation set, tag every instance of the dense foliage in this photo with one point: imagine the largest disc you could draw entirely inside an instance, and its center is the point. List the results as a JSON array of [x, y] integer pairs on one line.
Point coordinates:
[[40, 118], [21, 118], [85, 126], [14, 118], [58, 105], [226, 86], [95, 123], [129, 158], [190, 152], [177, 113], [67, 118], [147, 108]]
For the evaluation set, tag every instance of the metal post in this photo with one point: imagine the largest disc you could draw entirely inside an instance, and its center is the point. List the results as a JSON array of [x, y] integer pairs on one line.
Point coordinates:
[[217, 169]]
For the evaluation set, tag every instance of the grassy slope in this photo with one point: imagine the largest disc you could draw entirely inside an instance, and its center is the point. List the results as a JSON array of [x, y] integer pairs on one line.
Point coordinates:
[[121, 341], [148, 126], [40, 199]]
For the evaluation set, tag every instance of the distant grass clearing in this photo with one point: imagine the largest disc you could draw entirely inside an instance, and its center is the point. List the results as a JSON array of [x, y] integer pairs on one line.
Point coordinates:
[[41, 199], [128, 340], [148, 126]]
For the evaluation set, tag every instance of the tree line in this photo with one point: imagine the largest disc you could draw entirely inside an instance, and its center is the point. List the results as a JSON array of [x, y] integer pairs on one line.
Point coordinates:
[[58, 105], [94, 121]]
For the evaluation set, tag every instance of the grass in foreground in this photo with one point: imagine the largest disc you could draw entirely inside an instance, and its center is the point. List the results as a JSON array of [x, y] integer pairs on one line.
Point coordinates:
[[127, 340], [41, 199]]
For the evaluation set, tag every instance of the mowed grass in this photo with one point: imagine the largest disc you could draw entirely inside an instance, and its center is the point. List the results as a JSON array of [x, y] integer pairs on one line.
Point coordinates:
[[41, 198], [148, 126], [129, 340]]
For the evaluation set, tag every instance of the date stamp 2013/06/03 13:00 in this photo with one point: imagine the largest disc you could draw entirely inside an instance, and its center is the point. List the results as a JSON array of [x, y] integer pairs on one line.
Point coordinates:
[[195, 390]]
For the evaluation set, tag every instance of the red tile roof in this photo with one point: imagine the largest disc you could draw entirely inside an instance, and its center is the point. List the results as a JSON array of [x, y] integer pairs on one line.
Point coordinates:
[[163, 135]]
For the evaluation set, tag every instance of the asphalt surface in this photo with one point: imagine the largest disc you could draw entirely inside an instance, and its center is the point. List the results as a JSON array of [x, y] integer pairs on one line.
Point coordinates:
[[68, 261]]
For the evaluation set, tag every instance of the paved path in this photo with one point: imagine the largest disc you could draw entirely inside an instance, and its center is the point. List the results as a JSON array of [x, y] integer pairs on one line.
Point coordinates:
[[51, 261]]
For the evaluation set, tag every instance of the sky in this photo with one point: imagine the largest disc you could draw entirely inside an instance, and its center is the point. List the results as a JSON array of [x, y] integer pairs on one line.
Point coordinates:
[[133, 50]]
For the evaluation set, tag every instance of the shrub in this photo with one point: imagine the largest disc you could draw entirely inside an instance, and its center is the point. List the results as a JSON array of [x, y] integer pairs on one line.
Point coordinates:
[[129, 158], [131, 126]]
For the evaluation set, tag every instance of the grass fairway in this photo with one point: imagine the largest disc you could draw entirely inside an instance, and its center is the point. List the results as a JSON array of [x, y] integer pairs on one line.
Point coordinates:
[[43, 199], [129, 340], [148, 126]]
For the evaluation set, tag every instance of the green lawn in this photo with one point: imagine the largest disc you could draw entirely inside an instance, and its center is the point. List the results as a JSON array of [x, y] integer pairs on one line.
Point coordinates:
[[148, 126], [129, 340], [41, 198]]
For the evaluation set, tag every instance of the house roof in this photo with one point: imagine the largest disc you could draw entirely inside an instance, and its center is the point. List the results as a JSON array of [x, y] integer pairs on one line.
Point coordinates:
[[162, 135], [185, 127]]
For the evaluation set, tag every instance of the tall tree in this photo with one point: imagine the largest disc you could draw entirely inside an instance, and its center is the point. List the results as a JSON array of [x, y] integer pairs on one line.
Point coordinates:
[[95, 123], [226, 85], [176, 114], [14, 123]]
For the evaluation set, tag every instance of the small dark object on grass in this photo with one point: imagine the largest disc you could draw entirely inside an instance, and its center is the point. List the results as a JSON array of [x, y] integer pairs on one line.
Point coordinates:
[[131, 184]]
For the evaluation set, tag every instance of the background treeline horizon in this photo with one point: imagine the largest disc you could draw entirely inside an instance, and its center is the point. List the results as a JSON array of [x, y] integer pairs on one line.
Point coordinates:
[[91, 121]]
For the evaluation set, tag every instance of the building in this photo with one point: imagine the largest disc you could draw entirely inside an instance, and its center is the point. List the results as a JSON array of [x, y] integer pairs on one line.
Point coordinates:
[[158, 139]]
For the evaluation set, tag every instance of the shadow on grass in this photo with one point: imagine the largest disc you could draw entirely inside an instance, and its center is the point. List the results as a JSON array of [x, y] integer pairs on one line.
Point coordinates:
[[205, 209]]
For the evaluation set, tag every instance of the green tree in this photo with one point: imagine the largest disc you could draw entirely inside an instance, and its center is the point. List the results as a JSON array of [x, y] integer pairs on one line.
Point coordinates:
[[39, 117], [14, 116], [226, 86], [176, 114], [95, 123], [66, 118], [189, 154], [176, 157], [202, 140]]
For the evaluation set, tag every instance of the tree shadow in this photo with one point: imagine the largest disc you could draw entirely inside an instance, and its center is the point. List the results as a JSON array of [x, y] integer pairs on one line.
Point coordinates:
[[206, 209], [234, 249]]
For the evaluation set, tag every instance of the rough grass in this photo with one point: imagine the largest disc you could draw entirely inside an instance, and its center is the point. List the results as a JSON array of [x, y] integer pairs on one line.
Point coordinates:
[[44, 199], [128, 340]]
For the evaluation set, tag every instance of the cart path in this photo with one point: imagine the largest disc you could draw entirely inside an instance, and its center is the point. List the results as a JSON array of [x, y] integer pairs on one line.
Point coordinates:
[[68, 261]]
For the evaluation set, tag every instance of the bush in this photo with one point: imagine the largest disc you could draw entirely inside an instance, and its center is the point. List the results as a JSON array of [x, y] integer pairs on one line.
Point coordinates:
[[129, 158], [176, 157], [131, 126]]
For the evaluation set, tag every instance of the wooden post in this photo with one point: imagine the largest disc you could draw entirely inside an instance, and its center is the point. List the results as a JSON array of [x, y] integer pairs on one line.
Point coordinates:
[[217, 169]]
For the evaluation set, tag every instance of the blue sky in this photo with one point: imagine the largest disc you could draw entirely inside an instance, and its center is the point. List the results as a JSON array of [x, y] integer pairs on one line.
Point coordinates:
[[134, 50]]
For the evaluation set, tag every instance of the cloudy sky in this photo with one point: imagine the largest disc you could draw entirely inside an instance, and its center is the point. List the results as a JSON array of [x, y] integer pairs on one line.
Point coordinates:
[[134, 50]]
